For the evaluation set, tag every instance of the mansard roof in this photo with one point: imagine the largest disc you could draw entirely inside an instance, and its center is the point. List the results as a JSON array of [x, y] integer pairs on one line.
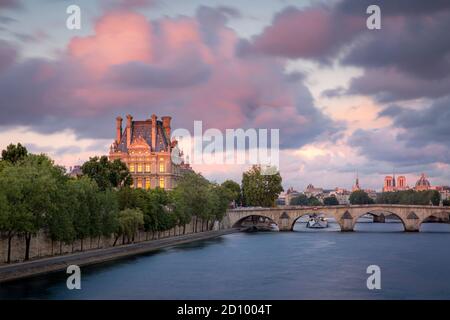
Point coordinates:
[[143, 130]]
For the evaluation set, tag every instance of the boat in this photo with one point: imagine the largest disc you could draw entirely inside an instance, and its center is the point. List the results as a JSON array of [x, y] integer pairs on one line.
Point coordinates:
[[317, 223]]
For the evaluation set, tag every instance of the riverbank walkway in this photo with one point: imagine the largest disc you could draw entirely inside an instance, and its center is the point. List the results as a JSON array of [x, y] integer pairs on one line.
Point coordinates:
[[21, 270]]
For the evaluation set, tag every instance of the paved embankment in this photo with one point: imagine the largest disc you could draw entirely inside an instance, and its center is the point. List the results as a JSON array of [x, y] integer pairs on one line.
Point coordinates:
[[46, 265]]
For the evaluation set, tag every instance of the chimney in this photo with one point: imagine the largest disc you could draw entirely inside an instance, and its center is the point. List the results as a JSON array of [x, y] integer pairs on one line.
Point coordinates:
[[129, 124], [154, 123], [118, 129], [166, 125]]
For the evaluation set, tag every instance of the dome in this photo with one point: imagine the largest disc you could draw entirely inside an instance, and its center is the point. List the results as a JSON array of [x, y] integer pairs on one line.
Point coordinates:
[[423, 181]]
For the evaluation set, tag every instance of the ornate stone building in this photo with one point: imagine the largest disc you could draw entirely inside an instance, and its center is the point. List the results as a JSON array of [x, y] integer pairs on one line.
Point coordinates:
[[146, 148], [391, 184], [422, 184]]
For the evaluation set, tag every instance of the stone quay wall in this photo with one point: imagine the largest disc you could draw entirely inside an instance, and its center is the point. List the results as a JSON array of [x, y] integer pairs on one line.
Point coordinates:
[[41, 246]]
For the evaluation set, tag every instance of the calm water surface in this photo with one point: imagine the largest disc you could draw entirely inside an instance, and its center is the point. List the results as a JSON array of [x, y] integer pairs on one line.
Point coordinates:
[[272, 265]]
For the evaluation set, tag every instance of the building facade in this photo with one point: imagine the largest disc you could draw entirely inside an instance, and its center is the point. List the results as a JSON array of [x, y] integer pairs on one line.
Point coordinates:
[[145, 147], [392, 184]]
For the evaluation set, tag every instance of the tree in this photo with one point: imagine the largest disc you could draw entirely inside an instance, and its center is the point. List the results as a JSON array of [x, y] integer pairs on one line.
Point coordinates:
[[31, 189], [331, 201], [313, 201], [235, 190], [14, 153], [109, 210], [300, 200], [360, 197], [260, 190], [86, 219], [410, 197], [107, 174], [60, 221], [219, 198], [446, 203], [129, 222], [191, 197]]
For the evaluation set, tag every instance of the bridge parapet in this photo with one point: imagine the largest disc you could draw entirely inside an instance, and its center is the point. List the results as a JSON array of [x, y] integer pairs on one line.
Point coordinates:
[[346, 216]]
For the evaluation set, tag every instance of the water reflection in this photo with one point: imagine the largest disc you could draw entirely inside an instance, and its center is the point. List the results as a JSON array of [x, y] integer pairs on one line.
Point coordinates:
[[310, 264]]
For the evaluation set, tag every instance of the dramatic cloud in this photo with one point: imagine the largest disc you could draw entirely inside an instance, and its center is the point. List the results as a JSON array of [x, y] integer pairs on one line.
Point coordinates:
[[10, 4], [185, 67], [387, 146], [412, 46], [8, 55], [429, 125], [127, 4], [389, 84], [313, 33]]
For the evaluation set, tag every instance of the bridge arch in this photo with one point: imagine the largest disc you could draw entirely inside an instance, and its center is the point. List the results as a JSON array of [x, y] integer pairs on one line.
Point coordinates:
[[443, 215], [380, 213], [253, 218], [317, 213]]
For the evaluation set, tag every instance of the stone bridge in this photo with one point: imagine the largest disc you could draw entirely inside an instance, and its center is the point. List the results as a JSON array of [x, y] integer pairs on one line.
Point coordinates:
[[346, 216]]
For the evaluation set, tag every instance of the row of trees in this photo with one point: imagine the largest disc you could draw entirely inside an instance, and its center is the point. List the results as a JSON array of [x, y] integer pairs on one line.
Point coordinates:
[[409, 197], [36, 194]]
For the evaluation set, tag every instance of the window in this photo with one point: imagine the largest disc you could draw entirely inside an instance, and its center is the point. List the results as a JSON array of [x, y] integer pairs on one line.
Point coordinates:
[[161, 183], [147, 167], [147, 183], [139, 183], [139, 167], [161, 165], [131, 167]]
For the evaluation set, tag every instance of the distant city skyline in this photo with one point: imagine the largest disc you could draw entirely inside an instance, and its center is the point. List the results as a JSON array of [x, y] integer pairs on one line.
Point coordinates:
[[346, 99]]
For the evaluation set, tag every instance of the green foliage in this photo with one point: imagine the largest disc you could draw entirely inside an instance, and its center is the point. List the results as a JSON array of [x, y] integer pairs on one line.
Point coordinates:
[[107, 174], [129, 222], [36, 195], [446, 203], [410, 197], [235, 190], [260, 190], [313, 201], [330, 201], [14, 153], [31, 188], [360, 197], [303, 200]]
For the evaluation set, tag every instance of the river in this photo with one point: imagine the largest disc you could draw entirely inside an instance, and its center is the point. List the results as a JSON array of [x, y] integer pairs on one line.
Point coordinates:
[[319, 264]]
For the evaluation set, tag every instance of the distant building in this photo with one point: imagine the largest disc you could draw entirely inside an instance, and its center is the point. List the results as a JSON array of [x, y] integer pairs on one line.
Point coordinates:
[[342, 195], [145, 147], [75, 172], [290, 194], [311, 191], [356, 186], [390, 184], [422, 184]]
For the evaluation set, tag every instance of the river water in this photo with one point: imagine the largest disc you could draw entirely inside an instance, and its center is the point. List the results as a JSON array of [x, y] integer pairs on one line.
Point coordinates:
[[308, 264]]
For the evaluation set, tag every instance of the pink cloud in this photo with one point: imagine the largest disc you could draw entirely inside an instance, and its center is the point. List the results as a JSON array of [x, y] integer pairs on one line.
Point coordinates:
[[312, 33], [119, 38], [186, 67]]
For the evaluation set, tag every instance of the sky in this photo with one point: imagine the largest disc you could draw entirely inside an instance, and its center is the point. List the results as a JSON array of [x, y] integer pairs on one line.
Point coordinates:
[[346, 99]]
